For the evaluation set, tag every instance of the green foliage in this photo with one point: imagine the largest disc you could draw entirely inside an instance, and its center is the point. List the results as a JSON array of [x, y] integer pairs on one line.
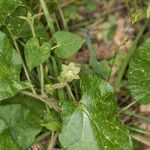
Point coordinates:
[[49, 102], [19, 28], [71, 13], [28, 103], [36, 54], [139, 73], [109, 28], [7, 7], [104, 64], [52, 121], [10, 67], [68, 43], [18, 127], [91, 125]]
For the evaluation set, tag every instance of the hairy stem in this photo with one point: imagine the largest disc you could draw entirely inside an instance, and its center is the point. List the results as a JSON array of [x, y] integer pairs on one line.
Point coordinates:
[[52, 103], [42, 80]]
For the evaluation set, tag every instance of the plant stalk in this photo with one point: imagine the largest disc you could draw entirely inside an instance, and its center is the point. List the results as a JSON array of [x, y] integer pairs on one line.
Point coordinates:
[[47, 16], [52, 141], [52, 103]]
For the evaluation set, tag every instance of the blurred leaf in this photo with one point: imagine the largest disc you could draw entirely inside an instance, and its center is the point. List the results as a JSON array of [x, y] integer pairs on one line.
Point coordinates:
[[36, 54], [139, 74], [68, 43], [95, 123], [91, 6], [20, 127], [7, 7], [10, 68], [104, 64], [109, 28], [71, 13]]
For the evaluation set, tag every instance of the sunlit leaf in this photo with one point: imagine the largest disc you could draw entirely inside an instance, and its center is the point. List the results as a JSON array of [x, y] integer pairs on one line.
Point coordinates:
[[68, 43], [95, 123]]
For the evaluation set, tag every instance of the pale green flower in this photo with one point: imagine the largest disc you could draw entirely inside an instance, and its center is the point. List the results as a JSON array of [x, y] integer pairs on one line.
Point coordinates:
[[69, 73]]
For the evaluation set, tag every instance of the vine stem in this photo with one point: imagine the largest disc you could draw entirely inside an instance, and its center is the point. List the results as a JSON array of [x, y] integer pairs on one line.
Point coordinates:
[[31, 24], [71, 94], [52, 141], [42, 79], [24, 66], [52, 103]]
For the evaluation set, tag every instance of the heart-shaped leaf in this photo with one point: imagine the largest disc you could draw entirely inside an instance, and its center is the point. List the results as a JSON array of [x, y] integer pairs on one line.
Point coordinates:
[[35, 54], [95, 123], [10, 67], [68, 43], [18, 127], [7, 7], [139, 74]]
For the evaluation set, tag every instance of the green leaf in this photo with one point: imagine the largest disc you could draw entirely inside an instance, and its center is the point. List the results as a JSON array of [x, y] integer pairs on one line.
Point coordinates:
[[7, 7], [139, 74], [27, 102], [20, 127], [109, 28], [68, 43], [20, 28], [104, 65], [52, 121], [95, 123], [36, 54], [10, 67]]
